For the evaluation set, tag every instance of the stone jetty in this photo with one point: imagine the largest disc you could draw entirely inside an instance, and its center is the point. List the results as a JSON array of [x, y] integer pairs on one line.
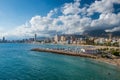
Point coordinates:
[[64, 52]]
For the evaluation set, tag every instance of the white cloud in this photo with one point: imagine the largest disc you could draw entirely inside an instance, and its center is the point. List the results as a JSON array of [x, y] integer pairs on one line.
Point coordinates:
[[73, 20], [103, 6], [52, 12], [71, 8], [106, 20], [113, 30]]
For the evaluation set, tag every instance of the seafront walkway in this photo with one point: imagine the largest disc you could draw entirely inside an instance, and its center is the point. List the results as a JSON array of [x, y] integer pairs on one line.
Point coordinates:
[[65, 52]]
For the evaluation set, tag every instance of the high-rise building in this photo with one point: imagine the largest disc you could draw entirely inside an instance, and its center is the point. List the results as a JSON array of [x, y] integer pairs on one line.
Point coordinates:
[[56, 38], [35, 38], [3, 39]]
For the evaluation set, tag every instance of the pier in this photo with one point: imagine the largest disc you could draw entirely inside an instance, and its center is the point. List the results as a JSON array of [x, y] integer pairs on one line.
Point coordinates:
[[64, 52]]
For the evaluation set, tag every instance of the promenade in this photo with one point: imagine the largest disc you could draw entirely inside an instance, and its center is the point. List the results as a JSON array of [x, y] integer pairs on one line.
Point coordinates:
[[65, 52]]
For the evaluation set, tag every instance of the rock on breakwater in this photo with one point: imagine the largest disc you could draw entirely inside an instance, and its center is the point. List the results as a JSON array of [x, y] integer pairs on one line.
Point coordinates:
[[64, 52]]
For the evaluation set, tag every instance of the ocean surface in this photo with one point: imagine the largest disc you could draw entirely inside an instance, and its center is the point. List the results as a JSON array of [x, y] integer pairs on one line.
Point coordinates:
[[17, 62]]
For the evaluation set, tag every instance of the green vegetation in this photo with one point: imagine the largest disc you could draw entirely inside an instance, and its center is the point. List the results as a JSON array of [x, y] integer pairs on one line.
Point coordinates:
[[116, 53], [112, 51]]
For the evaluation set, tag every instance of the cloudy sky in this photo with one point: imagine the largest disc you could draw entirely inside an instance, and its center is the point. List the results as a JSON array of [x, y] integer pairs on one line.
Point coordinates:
[[24, 18]]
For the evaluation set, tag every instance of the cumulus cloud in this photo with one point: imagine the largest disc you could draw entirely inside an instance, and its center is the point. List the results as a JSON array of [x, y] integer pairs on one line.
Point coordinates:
[[73, 19], [107, 20], [113, 30], [71, 8], [102, 6]]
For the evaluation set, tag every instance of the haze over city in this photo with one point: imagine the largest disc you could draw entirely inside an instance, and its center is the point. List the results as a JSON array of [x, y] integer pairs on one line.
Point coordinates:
[[24, 18]]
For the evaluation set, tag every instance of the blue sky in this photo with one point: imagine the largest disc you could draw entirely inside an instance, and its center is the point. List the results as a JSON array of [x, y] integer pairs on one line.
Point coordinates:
[[16, 12], [48, 17]]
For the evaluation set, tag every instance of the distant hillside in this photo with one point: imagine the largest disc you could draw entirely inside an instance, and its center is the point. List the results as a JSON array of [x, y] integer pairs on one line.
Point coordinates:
[[100, 33]]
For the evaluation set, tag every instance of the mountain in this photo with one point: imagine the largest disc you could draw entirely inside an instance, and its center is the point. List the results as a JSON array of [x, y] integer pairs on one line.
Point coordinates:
[[100, 33]]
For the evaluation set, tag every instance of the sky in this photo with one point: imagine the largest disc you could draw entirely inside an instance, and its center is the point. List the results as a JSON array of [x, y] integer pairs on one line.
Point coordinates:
[[24, 18]]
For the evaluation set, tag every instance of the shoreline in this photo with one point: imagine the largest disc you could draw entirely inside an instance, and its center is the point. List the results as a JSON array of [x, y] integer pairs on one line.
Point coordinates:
[[115, 62]]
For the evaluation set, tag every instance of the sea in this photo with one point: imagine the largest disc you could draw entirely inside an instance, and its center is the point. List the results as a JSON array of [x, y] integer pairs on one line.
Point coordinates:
[[18, 62]]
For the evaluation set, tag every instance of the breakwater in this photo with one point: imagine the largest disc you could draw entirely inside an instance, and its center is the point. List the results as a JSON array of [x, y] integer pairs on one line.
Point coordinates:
[[64, 52]]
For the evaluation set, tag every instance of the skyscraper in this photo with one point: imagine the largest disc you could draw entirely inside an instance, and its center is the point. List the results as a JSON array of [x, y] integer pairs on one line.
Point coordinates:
[[56, 38], [35, 38], [3, 39]]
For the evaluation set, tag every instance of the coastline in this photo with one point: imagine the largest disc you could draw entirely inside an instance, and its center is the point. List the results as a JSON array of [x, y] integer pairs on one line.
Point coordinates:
[[115, 62]]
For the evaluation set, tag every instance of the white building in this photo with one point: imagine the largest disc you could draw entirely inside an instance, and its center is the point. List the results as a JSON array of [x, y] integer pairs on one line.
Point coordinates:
[[56, 38]]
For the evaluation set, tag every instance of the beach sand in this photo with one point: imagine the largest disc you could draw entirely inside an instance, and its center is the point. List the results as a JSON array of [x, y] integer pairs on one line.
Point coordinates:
[[115, 62]]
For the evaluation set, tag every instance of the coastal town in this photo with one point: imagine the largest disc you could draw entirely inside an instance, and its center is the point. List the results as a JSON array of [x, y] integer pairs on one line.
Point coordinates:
[[104, 43], [106, 49], [59, 39], [70, 39]]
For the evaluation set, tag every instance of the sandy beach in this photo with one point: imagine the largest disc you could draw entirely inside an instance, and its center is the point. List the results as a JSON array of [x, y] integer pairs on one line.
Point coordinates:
[[115, 62]]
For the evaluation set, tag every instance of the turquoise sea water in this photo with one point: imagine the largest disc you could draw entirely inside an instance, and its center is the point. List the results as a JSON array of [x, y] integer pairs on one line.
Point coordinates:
[[17, 62]]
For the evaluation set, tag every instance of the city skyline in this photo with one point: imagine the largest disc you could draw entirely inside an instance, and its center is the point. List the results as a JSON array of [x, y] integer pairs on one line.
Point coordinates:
[[20, 19]]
